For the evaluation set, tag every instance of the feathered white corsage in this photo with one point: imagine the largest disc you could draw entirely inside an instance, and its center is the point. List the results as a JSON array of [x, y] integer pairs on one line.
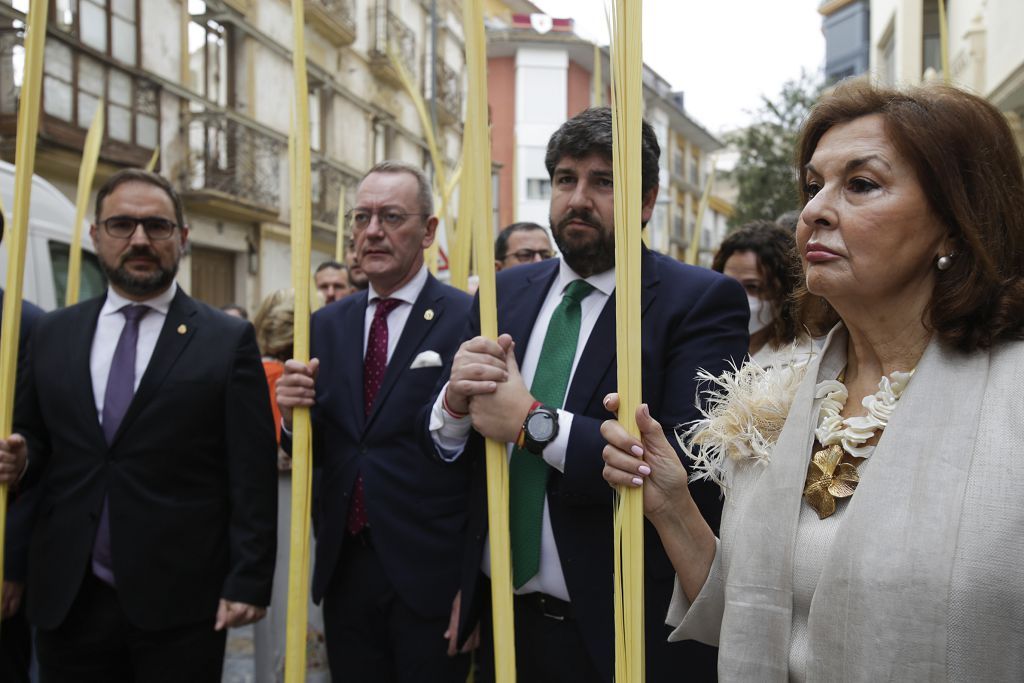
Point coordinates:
[[745, 410]]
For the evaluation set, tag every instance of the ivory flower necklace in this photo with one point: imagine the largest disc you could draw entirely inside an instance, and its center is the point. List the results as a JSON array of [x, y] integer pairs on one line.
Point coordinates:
[[832, 472]]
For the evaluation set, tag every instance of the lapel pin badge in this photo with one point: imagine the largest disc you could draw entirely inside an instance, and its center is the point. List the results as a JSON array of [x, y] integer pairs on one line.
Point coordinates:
[[182, 329], [428, 314]]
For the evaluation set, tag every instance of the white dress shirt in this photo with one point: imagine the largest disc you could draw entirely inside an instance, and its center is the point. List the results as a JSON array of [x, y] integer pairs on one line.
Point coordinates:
[[450, 434], [407, 294], [108, 331]]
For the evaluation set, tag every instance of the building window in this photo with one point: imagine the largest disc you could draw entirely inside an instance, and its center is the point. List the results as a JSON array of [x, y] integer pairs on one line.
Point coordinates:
[[680, 161], [208, 64], [74, 84], [108, 26], [538, 188], [695, 168]]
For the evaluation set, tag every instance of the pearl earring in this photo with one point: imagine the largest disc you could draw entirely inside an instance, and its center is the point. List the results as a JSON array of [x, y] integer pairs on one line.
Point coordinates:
[[944, 262]]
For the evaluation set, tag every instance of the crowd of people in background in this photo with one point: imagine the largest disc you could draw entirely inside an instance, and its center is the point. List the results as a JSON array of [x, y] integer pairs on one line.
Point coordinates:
[[847, 475]]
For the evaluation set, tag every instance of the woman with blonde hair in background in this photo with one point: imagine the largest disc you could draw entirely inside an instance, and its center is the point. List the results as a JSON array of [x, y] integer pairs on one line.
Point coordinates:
[[274, 323]]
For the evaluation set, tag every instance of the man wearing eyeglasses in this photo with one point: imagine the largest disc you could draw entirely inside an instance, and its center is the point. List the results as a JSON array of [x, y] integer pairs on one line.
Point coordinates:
[[391, 519], [148, 432], [521, 243]]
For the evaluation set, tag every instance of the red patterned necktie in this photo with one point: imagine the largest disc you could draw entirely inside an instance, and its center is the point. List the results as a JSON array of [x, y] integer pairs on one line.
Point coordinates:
[[374, 366]]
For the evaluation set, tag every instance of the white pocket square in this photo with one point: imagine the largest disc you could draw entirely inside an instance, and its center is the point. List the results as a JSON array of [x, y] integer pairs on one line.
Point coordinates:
[[426, 359]]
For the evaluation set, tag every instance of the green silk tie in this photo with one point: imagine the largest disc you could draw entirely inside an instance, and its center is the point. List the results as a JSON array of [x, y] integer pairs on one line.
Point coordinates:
[[528, 473]]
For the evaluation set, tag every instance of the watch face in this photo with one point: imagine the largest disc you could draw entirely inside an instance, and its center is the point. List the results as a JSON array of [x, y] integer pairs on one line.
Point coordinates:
[[541, 426]]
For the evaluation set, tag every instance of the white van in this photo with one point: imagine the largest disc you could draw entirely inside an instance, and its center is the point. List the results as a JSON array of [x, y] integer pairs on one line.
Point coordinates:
[[50, 219]]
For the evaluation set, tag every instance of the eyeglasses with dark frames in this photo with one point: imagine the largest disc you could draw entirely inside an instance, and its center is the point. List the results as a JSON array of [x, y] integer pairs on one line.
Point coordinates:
[[390, 218], [123, 227], [528, 255]]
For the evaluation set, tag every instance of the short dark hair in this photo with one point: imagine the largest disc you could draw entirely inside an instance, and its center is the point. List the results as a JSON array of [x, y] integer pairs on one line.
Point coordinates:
[[779, 264], [969, 168], [426, 195], [590, 132], [139, 175], [329, 264], [501, 243]]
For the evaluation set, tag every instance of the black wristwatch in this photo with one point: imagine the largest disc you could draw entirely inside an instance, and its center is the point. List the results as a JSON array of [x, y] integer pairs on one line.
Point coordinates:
[[540, 428]]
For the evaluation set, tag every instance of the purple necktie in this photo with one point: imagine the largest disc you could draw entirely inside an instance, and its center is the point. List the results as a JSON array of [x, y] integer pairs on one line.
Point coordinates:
[[374, 366], [116, 399]]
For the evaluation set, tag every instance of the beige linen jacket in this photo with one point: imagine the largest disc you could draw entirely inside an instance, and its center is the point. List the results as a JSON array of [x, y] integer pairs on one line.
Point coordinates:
[[925, 580]]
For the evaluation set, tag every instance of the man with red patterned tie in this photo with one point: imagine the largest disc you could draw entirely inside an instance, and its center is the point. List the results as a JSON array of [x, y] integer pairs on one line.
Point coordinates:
[[391, 519]]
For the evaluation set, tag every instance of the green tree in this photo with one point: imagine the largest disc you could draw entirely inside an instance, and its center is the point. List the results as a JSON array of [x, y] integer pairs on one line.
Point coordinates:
[[764, 174]]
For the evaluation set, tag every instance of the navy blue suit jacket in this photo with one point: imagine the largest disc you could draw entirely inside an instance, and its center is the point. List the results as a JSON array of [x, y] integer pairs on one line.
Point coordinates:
[[416, 506], [691, 318]]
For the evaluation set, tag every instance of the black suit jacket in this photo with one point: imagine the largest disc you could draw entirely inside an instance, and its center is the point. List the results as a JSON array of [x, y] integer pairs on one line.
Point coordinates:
[[190, 476], [416, 506], [691, 318]]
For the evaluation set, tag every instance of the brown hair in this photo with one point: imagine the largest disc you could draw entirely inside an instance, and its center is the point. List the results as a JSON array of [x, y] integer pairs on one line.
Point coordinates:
[[775, 249], [275, 325], [969, 168]]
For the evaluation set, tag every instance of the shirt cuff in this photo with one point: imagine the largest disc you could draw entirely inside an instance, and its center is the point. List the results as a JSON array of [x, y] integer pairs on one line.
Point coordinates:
[[448, 433], [554, 452]]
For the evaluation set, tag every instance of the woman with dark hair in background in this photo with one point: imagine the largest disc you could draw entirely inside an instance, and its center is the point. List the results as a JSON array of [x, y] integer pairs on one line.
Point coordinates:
[[762, 257]]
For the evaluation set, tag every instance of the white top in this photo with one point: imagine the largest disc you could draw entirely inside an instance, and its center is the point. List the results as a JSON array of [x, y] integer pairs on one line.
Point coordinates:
[[108, 331], [450, 435]]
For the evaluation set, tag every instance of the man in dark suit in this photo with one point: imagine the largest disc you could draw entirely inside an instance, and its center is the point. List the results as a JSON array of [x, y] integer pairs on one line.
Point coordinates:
[[15, 635], [541, 386], [391, 519], [148, 431]]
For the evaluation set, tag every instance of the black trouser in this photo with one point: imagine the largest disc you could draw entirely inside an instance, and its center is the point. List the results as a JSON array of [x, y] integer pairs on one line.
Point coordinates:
[[372, 635], [15, 648], [97, 643], [549, 645]]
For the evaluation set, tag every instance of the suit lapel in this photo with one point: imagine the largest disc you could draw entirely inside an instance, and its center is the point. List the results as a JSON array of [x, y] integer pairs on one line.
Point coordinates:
[[518, 309], [177, 332], [417, 325], [599, 353], [80, 337], [349, 337]]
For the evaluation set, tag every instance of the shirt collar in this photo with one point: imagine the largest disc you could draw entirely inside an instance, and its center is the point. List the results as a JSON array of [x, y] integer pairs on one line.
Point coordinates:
[[161, 302], [603, 282], [407, 293]]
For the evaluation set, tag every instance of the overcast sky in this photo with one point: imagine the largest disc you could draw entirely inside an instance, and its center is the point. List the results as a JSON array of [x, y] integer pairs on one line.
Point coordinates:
[[722, 54]]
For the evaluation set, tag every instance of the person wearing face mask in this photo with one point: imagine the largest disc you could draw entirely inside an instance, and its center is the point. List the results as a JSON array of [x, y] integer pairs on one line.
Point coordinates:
[[762, 257]]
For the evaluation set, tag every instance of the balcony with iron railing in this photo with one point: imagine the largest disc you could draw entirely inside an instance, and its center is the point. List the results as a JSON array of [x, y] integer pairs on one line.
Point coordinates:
[[390, 34], [334, 19], [233, 166], [448, 93]]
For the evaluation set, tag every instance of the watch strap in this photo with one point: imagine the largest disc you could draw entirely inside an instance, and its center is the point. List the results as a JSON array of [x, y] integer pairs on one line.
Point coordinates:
[[521, 439]]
